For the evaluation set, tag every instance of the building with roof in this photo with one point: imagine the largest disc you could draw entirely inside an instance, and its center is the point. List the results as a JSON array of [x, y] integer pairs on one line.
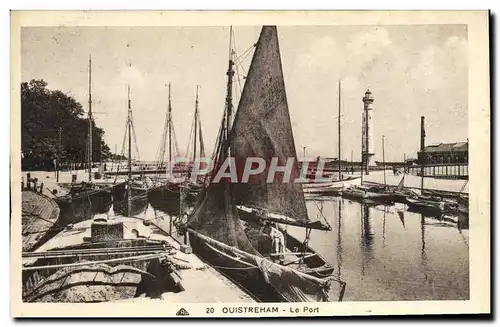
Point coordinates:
[[445, 153]]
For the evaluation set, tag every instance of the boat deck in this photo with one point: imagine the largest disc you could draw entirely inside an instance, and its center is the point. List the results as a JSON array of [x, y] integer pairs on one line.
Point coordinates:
[[201, 283]]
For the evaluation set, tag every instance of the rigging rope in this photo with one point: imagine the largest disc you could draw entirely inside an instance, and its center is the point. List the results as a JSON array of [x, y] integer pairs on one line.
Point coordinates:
[[160, 154], [191, 133], [320, 212]]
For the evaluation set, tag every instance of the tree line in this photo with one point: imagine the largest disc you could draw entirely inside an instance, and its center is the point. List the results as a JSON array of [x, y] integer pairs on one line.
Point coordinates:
[[54, 124]]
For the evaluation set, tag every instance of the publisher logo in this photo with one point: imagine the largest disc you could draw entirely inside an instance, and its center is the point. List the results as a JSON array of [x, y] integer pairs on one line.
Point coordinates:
[[182, 312]]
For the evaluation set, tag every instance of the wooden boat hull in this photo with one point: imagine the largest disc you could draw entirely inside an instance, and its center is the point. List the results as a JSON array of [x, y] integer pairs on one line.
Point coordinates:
[[119, 190], [165, 191], [81, 206], [40, 219], [138, 204], [334, 187], [362, 195], [318, 267], [73, 279], [401, 196], [119, 284], [251, 280], [426, 206], [463, 208], [172, 191], [244, 270], [443, 194]]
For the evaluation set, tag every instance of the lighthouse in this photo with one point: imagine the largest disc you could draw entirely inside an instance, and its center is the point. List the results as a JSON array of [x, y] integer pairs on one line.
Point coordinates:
[[367, 144]]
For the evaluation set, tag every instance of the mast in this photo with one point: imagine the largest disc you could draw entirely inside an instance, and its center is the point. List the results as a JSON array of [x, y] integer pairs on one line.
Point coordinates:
[[404, 163], [229, 91], [340, 171], [352, 162], [195, 125], [383, 158], [58, 154], [169, 126], [339, 239], [90, 120], [115, 159], [100, 151], [129, 123]]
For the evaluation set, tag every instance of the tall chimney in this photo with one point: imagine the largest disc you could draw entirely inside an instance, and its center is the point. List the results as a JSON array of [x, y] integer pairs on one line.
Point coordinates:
[[422, 133]]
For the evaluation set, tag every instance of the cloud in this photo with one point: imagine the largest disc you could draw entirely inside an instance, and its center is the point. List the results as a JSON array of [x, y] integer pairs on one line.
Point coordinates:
[[365, 48], [358, 54], [133, 76], [442, 66], [322, 51]]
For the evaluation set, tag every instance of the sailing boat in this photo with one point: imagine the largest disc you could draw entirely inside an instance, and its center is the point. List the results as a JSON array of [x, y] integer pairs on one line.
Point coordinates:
[[135, 199], [228, 227], [197, 186], [384, 193], [456, 202], [399, 193], [332, 187], [164, 189], [83, 193]]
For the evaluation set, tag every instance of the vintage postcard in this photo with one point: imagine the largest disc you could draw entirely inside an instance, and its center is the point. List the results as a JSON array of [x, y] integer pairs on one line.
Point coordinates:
[[250, 164]]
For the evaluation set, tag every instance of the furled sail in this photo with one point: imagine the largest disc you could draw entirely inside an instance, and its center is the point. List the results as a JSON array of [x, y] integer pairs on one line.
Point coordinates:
[[262, 129], [217, 217]]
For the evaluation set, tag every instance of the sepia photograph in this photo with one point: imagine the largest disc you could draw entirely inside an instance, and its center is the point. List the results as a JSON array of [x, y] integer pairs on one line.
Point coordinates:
[[250, 165]]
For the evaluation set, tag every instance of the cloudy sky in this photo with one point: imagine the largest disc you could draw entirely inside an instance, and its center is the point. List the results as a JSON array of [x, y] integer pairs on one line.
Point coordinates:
[[411, 70]]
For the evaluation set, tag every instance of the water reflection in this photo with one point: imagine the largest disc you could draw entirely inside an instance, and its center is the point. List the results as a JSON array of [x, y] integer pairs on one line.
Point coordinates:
[[367, 237], [423, 256], [383, 226], [389, 253], [401, 215], [339, 238]]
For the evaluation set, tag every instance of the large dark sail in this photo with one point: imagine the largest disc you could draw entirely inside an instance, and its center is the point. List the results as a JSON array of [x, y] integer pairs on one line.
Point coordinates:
[[262, 129]]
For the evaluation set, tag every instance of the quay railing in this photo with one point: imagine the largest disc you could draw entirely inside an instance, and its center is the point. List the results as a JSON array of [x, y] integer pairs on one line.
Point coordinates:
[[445, 171]]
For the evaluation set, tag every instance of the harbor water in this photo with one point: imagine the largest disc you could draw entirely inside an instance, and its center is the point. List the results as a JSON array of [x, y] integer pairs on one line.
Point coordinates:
[[385, 253]]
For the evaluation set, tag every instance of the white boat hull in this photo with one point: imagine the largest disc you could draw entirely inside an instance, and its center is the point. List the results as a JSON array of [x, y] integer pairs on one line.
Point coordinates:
[[334, 186]]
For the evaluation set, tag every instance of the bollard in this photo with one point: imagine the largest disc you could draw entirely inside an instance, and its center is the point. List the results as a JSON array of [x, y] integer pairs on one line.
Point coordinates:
[[34, 184], [41, 187], [28, 180]]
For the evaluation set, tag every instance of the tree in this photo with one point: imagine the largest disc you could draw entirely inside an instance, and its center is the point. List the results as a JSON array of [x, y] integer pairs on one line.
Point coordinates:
[[44, 113]]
